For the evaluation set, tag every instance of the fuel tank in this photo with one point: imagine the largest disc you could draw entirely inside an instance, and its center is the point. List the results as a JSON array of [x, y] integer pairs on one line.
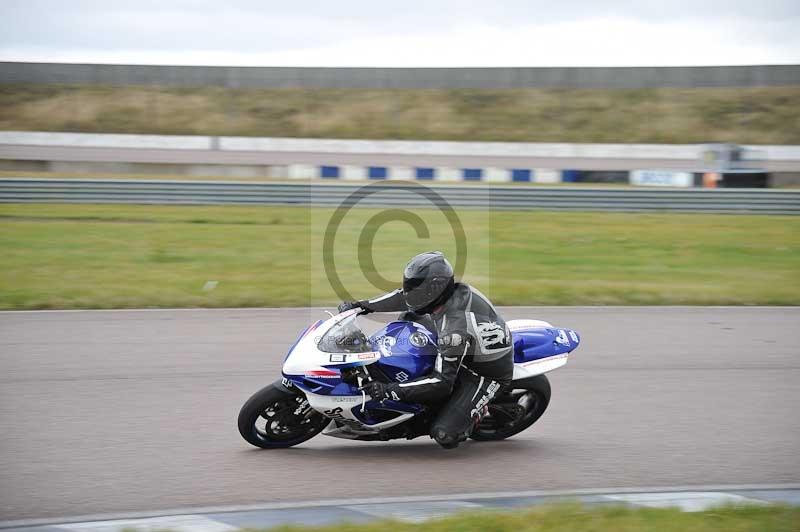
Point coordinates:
[[408, 350]]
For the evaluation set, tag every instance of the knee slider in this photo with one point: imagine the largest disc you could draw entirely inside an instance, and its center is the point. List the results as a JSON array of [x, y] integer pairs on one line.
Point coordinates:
[[446, 439]]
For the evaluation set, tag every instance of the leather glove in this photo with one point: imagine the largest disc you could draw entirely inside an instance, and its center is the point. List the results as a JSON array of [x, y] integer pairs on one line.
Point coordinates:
[[381, 391], [344, 306]]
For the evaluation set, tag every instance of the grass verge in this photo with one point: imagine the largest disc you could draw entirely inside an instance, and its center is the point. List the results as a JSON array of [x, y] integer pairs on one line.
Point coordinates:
[[767, 115], [109, 256], [576, 518]]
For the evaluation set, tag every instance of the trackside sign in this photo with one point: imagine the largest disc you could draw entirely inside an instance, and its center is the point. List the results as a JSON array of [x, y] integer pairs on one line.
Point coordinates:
[[661, 178]]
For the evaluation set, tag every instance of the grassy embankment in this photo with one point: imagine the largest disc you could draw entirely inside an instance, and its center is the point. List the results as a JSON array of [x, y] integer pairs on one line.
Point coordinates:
[[95, 256], [741, 115], [574, 518]]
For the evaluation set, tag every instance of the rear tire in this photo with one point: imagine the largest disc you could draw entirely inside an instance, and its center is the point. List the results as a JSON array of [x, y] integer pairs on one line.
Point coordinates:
[[507, 417], [288, 419]]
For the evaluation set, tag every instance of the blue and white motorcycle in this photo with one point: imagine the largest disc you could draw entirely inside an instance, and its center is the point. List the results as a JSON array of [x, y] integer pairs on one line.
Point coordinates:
[[331, 361]]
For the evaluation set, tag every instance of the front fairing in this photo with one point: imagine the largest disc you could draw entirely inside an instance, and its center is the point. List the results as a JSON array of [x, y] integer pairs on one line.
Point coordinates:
[[315, 361], [308, 367]]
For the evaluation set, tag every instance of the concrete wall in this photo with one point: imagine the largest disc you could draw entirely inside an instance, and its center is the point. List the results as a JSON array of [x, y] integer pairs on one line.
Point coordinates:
[[368, 147], [383, 147], [245, 157], [402, 78]]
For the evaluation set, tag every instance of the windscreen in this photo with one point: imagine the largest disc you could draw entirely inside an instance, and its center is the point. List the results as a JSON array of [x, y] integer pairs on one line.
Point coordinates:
[[344, 337]]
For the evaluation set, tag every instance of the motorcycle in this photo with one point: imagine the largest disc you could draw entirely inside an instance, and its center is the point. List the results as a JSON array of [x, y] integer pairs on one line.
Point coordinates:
[[329, 364]]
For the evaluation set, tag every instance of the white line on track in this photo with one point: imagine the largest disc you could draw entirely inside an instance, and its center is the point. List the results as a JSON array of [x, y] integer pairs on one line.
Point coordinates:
[[672, 491], [177, 523], [687, 501]]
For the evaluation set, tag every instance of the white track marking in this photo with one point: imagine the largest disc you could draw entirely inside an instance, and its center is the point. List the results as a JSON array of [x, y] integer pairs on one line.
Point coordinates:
[[687, 501], [414, 512], [398, 500], [177, 523]]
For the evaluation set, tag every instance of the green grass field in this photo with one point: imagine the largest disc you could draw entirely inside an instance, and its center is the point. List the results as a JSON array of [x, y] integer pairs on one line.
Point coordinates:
[[767, 115], [105, 256], [575, 518]]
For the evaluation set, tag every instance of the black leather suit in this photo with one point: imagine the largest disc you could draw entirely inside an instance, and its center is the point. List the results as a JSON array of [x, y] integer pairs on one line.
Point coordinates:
[[475, 359]]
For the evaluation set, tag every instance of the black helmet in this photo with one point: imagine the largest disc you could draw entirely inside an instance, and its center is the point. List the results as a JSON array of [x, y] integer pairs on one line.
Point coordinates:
[[427, 281]]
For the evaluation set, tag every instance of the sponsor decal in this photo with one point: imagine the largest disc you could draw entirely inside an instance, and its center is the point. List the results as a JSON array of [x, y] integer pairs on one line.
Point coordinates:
[[418, 339], [544, 360], [286, 382], [401, 376], [367, 356], [484, 400], [335, 413], [337, 357], [322, 374], [573, 336], [385, 344], [345, 399], [562, 338], [302, 407], [492, 336], [661, 178]]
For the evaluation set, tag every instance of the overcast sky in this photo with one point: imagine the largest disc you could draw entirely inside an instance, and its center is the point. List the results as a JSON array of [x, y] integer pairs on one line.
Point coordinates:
[[407, 33]]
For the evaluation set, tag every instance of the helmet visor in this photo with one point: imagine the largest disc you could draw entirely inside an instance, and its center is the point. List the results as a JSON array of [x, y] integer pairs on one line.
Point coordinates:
[[415, 293], [419, 293]]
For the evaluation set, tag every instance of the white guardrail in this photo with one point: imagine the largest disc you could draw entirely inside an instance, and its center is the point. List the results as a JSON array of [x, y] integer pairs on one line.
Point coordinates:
[[388, 159], [399, 147], [404, 147]]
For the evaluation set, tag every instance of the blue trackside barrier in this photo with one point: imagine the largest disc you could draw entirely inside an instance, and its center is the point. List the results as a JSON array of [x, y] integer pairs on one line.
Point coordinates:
[[520, 175], [472, 174], [570, 176], [329, 172], [425, 174], [377, 172]]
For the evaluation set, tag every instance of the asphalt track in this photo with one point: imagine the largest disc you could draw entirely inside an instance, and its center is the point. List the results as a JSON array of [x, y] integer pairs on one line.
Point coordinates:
[[126, 411]]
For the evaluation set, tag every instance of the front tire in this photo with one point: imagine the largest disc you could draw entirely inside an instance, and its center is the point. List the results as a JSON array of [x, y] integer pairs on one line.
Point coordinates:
[[515, 409], [275, 418]]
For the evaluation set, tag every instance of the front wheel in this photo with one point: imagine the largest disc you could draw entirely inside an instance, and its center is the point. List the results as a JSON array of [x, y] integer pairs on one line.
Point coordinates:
[[275, 418], [515, 409]]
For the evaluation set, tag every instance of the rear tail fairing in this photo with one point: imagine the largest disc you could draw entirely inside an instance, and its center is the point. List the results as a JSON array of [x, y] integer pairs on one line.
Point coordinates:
[[539, 347]]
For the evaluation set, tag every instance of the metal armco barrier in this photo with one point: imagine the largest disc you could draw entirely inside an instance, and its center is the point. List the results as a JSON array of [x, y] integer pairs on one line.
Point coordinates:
[[401, 78], [399, 194]]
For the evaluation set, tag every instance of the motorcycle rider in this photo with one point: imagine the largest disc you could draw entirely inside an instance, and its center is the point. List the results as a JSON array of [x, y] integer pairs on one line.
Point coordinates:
[[475, 353]]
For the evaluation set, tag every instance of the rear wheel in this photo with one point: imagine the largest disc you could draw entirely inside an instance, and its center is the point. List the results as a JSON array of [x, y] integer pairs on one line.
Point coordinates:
[[274, 418], [514, 410]]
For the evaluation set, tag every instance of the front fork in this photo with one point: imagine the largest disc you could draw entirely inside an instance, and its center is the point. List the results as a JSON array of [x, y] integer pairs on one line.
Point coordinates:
[[303, 406]]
